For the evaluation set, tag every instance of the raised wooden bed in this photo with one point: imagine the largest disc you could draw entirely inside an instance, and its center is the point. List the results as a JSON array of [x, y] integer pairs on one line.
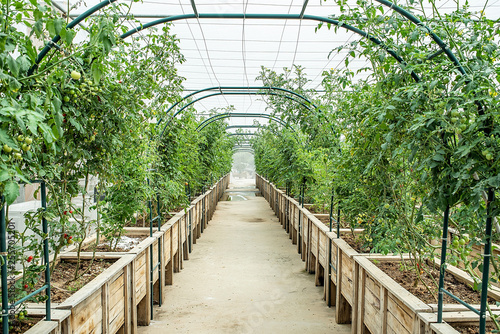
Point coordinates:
[[105, 304], [342, 288], [382, 305], [118, 300]]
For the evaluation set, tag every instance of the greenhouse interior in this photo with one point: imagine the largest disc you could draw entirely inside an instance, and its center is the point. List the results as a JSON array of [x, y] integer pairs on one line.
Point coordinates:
[[284, 166]]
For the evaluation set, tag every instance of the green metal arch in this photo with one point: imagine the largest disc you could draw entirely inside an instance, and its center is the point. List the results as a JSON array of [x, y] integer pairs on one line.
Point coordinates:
[[221, 88], [244, 126], [217, 117], [271, 16], [242, 134], [229, 93], [360, 32], [70, 25]]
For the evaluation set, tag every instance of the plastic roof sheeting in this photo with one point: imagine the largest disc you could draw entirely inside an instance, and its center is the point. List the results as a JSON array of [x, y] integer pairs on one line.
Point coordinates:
[[231, 52]]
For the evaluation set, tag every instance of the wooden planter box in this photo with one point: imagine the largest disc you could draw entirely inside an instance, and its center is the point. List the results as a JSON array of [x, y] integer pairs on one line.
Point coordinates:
[[105, 304], [118, 300], [380, 297], [382, 305], [341, 290]]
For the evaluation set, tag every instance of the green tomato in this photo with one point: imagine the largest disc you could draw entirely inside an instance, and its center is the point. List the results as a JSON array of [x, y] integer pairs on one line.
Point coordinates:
[[7, 148], [21, 317], [75, 75], [461, 242], [72, 92], [66, 98], [455, 243], [18, 156], [26, 147], [455, 113], [28, 140], [454, 119], [489, 156], [20, 138]]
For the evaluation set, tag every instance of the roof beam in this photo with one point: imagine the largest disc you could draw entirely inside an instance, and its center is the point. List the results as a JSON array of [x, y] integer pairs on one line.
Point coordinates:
[[304, 6], [193, 4]]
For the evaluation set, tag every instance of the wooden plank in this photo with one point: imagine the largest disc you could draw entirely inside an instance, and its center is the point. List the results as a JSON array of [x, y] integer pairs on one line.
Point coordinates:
[[400, 316], [372, 310], [358, 313], [443, 328], [464, 316], [412, 302], [105, 308], [86, 316], [93, 324], [43, 327], [116, 284], [90, 255], [117, 317]]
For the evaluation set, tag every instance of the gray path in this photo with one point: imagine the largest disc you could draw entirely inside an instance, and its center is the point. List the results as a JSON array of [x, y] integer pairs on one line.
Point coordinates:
[[244, 276]]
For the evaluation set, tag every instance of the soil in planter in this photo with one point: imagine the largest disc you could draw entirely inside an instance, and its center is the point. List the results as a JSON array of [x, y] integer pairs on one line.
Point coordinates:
[[356, 242], [326, 221], [124, 245], [21, 326], [317, 209], [465, 329], [451, 284], [62, 283]]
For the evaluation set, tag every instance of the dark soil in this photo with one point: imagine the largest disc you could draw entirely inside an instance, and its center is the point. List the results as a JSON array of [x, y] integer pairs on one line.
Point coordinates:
[[356, 242], [62, 283], [21, 326], [407, 278], [317, 209], [326, 220], [465, 329]]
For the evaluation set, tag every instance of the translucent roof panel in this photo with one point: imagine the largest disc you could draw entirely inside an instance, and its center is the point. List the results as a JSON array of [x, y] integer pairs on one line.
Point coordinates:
[[231, 52]]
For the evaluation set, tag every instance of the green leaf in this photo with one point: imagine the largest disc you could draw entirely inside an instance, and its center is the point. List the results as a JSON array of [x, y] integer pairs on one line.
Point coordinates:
[[58, 24], [50, 27], [4, 175], [11, 191], [34, 119], [6, 139], [13, 66], [70, 35], [438, 157], [96, 72]]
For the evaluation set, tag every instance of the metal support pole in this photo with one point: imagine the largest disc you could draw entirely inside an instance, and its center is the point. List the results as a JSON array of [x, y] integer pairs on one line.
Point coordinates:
[[46, 260], [5, 288], [190, 236], [442, 267], [160, 265], [203, 209], [486, 263], [331, 213], [158, 209], [338, 220]]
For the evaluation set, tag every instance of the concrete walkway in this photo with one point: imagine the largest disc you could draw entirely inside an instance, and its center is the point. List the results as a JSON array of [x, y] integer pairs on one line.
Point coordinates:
[[244, 276]]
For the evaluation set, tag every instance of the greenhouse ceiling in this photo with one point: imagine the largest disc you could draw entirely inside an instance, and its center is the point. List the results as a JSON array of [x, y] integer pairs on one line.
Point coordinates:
[[231, 52]]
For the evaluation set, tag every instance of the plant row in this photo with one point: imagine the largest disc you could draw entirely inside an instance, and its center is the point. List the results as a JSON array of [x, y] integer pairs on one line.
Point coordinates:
[[93, 109]]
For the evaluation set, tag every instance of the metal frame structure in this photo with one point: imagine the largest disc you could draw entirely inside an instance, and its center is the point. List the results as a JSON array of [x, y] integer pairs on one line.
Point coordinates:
[[410, 17], [4, 251], [227, 93], [152, 265]]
